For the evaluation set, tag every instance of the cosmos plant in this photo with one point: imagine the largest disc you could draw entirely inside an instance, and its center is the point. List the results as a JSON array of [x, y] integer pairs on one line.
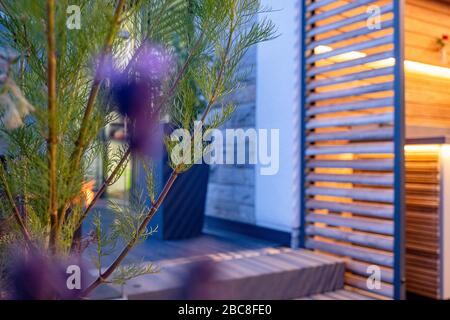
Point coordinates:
[[142, 60]]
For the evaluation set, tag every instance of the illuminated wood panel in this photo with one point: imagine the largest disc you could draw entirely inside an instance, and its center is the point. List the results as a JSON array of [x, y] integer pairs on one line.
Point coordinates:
[[427, 220], [422, 221], [427, 95]]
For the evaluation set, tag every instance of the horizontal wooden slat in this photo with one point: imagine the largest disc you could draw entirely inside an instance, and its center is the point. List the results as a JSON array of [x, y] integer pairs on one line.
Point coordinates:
[[353, 135], [360, 268], [318, 4], [372, 210], [366, 240], [366, 164], [363, 75], [360, 105], [345, 22], [353, 47], [349, 35], [369, 179], [380, 118], [423, 223], [351, 63], [366, 255], [379, 87], [386, 290], [372, 148], [368, 225], [367, 194], [333, 12]]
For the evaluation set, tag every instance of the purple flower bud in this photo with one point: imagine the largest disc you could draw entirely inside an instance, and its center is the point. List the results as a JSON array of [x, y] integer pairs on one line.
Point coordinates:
[[138, 94], [35, 276]]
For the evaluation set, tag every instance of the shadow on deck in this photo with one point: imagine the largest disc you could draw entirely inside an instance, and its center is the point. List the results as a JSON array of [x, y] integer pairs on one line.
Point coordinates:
[[225, 265], [219, 266]]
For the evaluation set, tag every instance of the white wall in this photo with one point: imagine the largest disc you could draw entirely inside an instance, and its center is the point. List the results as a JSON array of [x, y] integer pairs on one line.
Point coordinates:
[[276, 198]]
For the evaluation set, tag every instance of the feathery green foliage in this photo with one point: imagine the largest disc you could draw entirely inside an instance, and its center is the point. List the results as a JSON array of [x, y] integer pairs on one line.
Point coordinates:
[[208, 39]]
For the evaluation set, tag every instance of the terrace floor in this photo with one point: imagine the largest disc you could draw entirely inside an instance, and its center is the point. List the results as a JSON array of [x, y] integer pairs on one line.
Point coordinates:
[[211, 242], [224, 265]]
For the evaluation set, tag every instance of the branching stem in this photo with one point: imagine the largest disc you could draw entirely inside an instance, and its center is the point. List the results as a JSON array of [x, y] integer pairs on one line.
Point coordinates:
[[131, 244], [166, 98], [175, 172]]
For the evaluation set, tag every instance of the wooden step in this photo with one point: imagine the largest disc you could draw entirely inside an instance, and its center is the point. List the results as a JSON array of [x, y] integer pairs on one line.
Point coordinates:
[[275, 273], [343, 294]]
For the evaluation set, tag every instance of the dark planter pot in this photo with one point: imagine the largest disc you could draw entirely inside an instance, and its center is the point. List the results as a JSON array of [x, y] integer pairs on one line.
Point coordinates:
[[182, 213]]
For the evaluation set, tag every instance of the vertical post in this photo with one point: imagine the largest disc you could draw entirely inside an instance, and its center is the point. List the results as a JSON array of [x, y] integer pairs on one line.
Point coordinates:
[[301, 233], [399, 141], [444, 219]]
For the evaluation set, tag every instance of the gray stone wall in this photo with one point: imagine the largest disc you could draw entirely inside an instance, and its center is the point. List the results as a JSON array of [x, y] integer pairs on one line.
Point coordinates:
[[231, 193]]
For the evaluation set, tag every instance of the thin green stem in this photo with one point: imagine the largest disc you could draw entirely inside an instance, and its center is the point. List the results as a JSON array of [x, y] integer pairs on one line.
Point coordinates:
[[220, 75], [104, 275], [80, 142], [52, 141], [16, 212], [79, 145], [103, 188]]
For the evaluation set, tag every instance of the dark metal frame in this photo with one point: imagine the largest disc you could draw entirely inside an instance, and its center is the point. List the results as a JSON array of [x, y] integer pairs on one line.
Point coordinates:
[[399, 142], [302, 99], [399, 162]]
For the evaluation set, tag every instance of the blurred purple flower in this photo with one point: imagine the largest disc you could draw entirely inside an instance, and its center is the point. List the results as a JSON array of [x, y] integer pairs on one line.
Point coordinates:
[[198, 282], [138, 93], [35, 276]]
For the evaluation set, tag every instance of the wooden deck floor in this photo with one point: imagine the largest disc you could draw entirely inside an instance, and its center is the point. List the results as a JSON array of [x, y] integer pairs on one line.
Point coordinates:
[[343, 294], [267, 273], [244, 267], [210, 242]]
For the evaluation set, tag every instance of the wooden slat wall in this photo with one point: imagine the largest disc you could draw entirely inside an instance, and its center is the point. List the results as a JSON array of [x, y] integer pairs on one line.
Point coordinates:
[[427, 101], [349, 123], [427, 97], [423, 222]]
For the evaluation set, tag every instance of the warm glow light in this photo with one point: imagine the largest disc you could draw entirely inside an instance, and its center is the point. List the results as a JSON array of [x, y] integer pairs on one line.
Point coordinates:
[[88, 193], [350, 56], [427, 69], [410, 66], [341, 57], [389, 62], [322, 49], [423, 147], [445, 151]]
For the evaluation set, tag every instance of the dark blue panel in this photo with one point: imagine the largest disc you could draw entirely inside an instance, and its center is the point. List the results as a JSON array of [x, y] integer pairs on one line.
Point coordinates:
[[399, 139]]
